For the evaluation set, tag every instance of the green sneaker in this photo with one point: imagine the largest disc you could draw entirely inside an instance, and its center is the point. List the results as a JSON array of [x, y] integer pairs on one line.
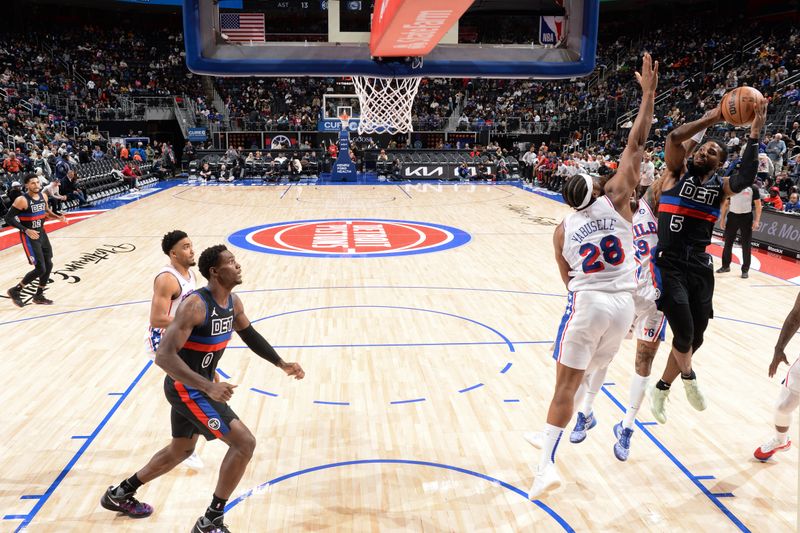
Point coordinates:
[[693, 394], [658, 399]]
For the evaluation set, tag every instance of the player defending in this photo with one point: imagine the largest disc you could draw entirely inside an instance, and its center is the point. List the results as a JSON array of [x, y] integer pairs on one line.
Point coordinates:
[[594, 251], [789, 395], [190, 349], [27, 214], [173, 284], [691, 196]]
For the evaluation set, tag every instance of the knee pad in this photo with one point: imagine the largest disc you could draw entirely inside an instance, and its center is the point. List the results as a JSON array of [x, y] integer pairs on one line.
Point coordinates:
[[682, 341], [785, 407]]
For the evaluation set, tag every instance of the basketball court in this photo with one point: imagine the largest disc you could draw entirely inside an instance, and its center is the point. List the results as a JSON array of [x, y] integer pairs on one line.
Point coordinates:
[[424, 366]]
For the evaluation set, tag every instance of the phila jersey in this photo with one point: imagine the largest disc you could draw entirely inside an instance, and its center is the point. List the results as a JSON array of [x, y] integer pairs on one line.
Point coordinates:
[[207, 342], [598, 246], [687, 213], [645, 238], [153, 337]]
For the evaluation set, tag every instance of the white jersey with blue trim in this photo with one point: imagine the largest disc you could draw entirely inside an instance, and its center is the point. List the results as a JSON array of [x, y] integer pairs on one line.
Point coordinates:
[[187, 287], [645, 238], [598, 246]]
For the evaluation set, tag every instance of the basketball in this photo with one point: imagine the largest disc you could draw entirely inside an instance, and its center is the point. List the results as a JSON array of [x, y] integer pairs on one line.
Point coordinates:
[[739, 105]]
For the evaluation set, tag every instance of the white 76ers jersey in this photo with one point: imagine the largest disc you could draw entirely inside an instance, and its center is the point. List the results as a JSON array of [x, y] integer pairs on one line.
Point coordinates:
[[188, 286], [598, 245], [645, 237]]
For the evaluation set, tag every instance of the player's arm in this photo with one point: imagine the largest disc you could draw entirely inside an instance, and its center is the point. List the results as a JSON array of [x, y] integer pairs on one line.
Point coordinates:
[[191, 313], [19, 205], [723, 212], [619, 188], [746, 175], [558, 248], [790, 327], [757, 207], [257, 343], [165, 289]]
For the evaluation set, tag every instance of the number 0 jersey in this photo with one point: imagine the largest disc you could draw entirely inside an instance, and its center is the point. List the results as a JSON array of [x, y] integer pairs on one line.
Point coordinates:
[[598, 245], [207, 342]]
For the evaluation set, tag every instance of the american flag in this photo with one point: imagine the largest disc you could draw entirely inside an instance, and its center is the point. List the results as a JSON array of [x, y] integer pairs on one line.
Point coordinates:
[[242, 27]]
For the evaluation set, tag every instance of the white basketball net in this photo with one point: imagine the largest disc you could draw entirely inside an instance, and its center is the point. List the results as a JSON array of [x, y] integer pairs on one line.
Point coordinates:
[[385, 103]]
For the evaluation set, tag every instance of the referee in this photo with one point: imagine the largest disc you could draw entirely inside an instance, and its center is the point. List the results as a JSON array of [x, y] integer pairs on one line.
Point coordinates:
[[737, 217]]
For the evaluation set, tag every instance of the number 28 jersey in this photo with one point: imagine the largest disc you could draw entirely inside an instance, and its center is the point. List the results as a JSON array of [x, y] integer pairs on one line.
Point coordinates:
[[598, 245]]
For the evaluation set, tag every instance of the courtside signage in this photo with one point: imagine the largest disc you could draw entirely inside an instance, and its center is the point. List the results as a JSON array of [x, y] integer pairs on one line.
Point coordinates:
[[345, 237]]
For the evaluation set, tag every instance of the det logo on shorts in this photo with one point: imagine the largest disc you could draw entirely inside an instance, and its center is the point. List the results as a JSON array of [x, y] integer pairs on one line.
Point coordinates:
[[344, 237]]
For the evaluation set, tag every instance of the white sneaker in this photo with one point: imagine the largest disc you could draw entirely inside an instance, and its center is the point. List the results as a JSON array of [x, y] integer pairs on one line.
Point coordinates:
[[765, 451], [534, 438], [693, 394], [193, 462], [545, 480], [658, 399]]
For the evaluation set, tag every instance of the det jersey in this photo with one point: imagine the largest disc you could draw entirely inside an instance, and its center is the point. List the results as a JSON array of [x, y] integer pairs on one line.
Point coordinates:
[[687, 213], [207, 342], [645, 239], [33, 217], [598, 245]]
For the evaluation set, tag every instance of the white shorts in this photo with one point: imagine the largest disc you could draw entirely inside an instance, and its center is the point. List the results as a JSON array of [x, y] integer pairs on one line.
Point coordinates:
[[649, 324], [792, 381], [592, 328], [151, 341]]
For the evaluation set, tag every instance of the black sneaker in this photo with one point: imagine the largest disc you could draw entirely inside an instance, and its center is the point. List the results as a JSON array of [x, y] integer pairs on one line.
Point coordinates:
[[722, 270], [745, 275], [204, 525], [16, 296], [125, 503], [41, 299]]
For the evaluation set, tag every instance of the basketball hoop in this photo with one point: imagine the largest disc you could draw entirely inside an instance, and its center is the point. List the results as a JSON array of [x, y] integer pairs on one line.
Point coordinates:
[[385, 103]]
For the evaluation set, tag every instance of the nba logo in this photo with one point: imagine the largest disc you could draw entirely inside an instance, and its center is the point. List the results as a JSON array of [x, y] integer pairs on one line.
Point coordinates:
[[551, 30]]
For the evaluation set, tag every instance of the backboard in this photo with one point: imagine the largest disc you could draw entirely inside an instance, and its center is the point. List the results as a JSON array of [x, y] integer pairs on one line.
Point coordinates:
[[543, 39]]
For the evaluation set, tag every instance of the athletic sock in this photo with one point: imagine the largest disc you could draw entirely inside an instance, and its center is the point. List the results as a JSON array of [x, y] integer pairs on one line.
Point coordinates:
[[216, 509], [638, 388], [782, 437], [663, 385], [689, 376], [588, 401], [552, 436], [131, 484]]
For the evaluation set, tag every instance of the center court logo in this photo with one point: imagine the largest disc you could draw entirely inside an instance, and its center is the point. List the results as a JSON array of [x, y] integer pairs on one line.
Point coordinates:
[[344, 237]]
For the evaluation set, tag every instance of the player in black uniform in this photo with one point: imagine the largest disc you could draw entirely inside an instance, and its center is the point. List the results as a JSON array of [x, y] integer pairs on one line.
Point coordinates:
[[691, 195], [27, 214], [189, 352]]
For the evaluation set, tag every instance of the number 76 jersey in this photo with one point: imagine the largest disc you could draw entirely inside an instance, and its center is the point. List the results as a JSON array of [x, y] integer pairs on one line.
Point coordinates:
[[598, 245]]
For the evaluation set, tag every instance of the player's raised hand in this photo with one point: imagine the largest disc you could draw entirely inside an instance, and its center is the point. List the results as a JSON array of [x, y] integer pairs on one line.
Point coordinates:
[[760, 118], [648, 78], [293, 369], [777, 359], [220, 391]]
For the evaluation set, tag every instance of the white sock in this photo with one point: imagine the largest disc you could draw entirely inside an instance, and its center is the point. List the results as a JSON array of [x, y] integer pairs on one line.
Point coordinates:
[[638, 388], [593, 384], [588, 401], [782, 437], [552, 436]]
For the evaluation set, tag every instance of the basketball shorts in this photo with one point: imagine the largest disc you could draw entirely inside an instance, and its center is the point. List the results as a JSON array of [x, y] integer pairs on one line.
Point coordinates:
[[792, 381], [151, 341], [193, 412], [592, 328], [37, 251], [649, 324]]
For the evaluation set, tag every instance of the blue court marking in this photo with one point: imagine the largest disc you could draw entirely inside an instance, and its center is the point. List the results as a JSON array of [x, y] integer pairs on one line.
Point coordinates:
[[26, 519], [398, 402], [694, 479], [404, 191], [505, 368], [704, 477], [423, 310], [494, 481], [31, 496], [322, 402], [7, 322], [81, 437], [747, 322], [15, 517], [223, 374], [266, 393], [723, 494], [609, 384], [511, 401], [392, 345], [115, 394], [649, 423], [471, 388], [287, 190]]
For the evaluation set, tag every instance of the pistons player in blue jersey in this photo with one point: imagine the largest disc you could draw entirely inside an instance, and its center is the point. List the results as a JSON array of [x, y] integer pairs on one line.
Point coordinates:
[[691, 193], [189, 352]]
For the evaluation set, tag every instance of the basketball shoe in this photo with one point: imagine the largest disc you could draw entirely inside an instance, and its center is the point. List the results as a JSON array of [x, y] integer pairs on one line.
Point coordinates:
[[658, 398], [125, 503], [204, 525], [40, 299], [16, 296], [584, 424], [545, 480], [765, 451], [193, 462], [623, 445], [693, 394]]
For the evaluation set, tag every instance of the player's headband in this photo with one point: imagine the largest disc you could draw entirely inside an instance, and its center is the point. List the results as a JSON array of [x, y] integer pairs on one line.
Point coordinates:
[[589, 190]]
